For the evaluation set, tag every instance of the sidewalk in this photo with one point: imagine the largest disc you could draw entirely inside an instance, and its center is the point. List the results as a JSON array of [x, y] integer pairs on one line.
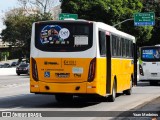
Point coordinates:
[[7, 71]]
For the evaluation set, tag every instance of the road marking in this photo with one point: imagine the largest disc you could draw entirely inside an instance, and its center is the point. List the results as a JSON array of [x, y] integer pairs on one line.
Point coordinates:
[[13, 85], [9, 109]]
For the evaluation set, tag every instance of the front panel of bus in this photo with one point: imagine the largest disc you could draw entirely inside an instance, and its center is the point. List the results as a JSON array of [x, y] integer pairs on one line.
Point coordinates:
[[63, 57], [149, 64]]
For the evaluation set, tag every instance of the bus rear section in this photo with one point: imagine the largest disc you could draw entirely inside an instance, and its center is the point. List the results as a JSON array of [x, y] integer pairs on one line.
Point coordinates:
[[62, 75], [63, 59], [149, 65]]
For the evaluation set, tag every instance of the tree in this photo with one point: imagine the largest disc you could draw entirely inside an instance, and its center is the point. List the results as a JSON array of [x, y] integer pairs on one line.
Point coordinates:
[[44, 6], [110, 12], [19, 23], [153, 5], [107, 11], [18, 28]]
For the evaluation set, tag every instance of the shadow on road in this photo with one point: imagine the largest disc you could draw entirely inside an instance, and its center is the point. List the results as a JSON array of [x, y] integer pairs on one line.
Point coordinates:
[[46, 101], [145, 84], [21, 76]]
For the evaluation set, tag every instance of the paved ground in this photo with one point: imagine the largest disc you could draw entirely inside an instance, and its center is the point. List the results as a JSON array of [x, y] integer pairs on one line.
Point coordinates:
[[7, 71], [145, 111]]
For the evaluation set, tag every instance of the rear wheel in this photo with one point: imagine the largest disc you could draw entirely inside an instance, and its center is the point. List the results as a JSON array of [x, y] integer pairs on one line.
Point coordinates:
[[18, 74], [128, 91], [112, 97], [64, 98]]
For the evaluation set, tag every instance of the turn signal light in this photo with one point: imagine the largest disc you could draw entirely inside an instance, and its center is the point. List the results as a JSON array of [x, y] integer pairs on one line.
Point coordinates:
[[34, 69], [141, 70], [92, 69]]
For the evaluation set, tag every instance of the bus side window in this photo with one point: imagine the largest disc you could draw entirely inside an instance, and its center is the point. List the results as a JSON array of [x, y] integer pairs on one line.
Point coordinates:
[[131, 49], [123, 47], [102, 43], [114, 45], [127, 48], [119, 48]]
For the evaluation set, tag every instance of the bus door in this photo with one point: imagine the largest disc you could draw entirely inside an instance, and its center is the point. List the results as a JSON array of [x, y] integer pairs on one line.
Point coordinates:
[[135, 64], [108, 59], [104, 39]]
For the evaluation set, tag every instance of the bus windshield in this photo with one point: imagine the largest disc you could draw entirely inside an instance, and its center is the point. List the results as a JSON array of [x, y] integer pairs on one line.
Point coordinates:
[[62, 36], [150, 54]]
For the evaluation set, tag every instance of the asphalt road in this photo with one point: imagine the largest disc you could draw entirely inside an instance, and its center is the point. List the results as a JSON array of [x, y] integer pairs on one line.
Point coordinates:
[[15, 96]]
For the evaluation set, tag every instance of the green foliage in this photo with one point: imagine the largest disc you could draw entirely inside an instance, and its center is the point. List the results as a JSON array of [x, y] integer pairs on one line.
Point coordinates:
[[18, 23], [111, 12], [107, 11], [153, 5], [3, 55]]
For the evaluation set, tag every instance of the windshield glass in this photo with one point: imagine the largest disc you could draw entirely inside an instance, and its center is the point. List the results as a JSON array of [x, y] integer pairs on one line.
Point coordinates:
[[23, 65], [150, 54], [63, 36]]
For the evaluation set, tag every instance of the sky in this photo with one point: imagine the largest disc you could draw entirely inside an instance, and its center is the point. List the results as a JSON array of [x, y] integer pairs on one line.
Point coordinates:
[[6, 5]]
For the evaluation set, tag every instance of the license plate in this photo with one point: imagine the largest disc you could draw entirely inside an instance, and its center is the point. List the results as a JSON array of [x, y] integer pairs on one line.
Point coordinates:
[[154, 74]]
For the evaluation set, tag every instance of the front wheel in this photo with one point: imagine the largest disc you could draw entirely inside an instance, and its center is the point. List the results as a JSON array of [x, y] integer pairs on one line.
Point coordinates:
[[112, 97], [128, 91]]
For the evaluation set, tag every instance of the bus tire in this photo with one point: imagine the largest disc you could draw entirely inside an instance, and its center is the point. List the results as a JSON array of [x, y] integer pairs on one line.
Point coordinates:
[[63, 98], [128, 91], [112, 97]]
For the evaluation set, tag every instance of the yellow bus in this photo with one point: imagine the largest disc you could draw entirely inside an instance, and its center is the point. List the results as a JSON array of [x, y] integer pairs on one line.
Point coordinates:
[[79, 57]]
